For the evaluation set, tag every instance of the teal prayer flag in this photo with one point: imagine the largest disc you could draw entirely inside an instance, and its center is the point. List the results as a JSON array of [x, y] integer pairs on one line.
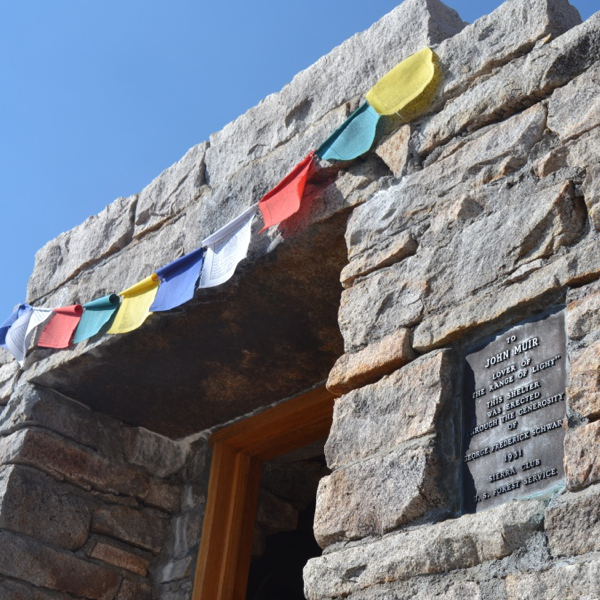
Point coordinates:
[[355, 136], [96, 317]]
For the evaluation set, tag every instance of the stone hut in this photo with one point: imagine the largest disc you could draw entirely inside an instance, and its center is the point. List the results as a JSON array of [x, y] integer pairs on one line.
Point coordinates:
[[407, 368]]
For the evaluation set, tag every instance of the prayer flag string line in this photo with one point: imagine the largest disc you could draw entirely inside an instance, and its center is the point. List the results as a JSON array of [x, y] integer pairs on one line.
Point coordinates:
[[408, 87]]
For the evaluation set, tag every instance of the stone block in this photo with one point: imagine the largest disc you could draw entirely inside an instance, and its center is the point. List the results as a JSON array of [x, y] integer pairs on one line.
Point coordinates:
[[9, 374], [399, 247], [18, 590], [33, 405], [583, 391], [157, 454], [378, 230], [352, 371], [582, 460], [28, 560], [591, 194], [97, 237], [379, 494], [393, 150], [34, 504], [569, 119], [438, 548], [381, 304], [164, 496], [518, 84], [578, 581], [121, 558], [137, 528], [510, 31], [398, 408], [173, 190], [134, 590], [177, 569], [568, 516], [346, 72], [71, 462], [583, 311]]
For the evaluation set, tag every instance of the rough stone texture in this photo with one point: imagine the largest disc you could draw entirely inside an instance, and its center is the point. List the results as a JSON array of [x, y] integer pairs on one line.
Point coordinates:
[[153, 452], [27, 559], [388, 220], [33, 504], [583, 312], [396, 409], [132, 526], [70, 462], [100, 235], [568, 516], [520, 83], [393, 150], [456, 259], [453, 544], [578, 581], [120, 558], [591, 193], [15, 590], [495, 39], [173, 190], [366, 366], [582, 462], [134, 590], [569, 119], [9, 373], [400, 247], [37, 406], [379, 494], [346, 72], [583, 392]]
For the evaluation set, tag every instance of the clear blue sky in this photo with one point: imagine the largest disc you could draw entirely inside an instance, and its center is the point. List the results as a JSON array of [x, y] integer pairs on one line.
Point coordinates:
[[99, 97]]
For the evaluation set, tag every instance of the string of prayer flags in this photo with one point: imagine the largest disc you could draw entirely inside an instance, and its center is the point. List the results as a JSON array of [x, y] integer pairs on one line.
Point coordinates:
[[285, 198], [18, 311], [226, 248], [59, 331], [15, 336], [135, 305], [403, 83], [97, 315], [354, 137], [178, 281]]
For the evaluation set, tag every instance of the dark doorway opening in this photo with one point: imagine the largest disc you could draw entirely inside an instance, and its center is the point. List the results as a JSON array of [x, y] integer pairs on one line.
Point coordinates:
[[283, 539]]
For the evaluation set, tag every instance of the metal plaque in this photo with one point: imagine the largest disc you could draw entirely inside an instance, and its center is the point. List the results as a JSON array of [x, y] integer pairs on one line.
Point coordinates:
[[514, 401]]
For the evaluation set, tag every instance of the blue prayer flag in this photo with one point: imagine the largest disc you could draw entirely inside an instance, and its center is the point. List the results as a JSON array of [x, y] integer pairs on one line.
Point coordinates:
[[97, 316], [178, 281], [354, 137], [21, 309]]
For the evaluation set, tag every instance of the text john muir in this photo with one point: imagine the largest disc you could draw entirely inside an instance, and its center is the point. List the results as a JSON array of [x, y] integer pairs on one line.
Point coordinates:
[[514, 413]]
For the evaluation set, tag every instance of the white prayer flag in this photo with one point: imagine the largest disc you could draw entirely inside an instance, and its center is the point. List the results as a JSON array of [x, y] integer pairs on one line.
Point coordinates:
[[21, 332], [15, 337], [39, 316], [226, 248]]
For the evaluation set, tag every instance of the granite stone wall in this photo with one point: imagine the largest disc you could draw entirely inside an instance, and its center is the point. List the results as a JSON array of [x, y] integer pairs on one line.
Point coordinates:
[[479, 214]]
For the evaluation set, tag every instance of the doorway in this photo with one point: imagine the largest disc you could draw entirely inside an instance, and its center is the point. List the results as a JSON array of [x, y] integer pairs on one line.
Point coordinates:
[[239, 453]]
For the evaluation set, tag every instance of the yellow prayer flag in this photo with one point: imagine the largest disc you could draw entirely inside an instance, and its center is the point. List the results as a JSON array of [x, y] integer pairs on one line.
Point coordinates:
[[405, 82], [135, 306]]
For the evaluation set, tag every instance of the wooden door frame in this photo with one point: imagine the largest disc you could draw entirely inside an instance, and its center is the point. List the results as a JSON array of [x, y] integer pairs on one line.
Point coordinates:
[[238, 453]]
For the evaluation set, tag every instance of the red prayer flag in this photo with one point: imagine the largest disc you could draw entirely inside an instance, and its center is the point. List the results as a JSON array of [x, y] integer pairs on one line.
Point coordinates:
[[60, 329], [284, 199]]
